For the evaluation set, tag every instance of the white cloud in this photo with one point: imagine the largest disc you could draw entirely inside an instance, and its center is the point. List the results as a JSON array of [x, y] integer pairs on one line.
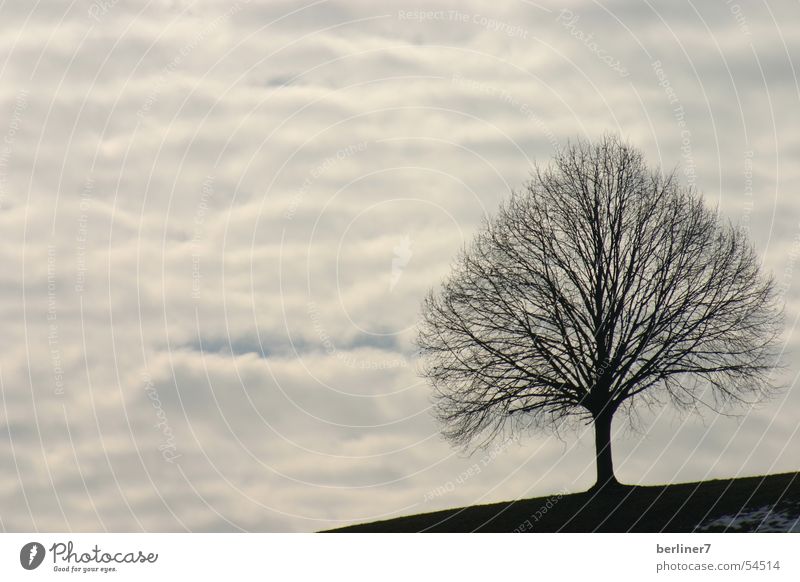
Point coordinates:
[[221, 192]]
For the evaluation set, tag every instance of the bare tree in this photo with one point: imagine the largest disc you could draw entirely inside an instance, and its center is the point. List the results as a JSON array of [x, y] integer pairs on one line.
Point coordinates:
[[604, 285]]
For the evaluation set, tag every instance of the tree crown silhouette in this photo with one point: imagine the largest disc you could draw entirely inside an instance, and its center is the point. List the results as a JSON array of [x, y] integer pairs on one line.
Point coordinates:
[[602, 286]]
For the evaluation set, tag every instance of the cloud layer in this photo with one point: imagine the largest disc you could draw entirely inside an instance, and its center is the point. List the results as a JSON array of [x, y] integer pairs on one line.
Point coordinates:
[[219, 220]]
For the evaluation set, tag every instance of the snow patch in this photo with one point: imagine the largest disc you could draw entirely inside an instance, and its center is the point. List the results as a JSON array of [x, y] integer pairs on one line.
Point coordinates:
[[761, 519]]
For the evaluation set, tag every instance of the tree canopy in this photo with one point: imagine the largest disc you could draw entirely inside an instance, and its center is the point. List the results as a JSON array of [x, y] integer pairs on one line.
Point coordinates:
[[601, 286]]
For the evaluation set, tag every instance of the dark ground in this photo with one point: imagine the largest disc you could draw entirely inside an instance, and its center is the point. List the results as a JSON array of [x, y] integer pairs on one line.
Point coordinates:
[[661, 508]]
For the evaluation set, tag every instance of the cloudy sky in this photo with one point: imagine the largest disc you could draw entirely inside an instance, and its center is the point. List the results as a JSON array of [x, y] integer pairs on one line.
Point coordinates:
[[219, 218]]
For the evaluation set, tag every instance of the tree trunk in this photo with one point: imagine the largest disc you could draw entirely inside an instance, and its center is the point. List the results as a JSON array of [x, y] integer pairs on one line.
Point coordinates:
[[602, 441]]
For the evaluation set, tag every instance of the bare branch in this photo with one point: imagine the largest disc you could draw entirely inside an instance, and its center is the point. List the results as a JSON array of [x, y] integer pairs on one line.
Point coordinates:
[[601, 284]]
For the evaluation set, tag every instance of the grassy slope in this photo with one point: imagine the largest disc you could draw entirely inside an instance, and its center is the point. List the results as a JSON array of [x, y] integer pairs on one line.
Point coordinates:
[[671, 508]]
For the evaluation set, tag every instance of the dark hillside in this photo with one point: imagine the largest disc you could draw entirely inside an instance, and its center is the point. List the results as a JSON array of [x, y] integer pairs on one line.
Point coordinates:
[[768, 503]]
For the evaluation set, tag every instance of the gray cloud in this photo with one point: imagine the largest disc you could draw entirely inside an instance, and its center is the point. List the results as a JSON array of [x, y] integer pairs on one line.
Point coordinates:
[[219, 220]]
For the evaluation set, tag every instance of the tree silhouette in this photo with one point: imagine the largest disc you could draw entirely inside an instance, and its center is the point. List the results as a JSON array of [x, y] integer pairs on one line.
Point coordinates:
[[603, 286]]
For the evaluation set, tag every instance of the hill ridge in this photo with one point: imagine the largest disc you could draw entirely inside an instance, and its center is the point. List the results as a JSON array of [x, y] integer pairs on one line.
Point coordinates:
[[756, 503]]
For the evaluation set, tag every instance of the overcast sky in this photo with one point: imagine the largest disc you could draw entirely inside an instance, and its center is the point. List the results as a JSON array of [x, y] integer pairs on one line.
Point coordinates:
[[219, 219]]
